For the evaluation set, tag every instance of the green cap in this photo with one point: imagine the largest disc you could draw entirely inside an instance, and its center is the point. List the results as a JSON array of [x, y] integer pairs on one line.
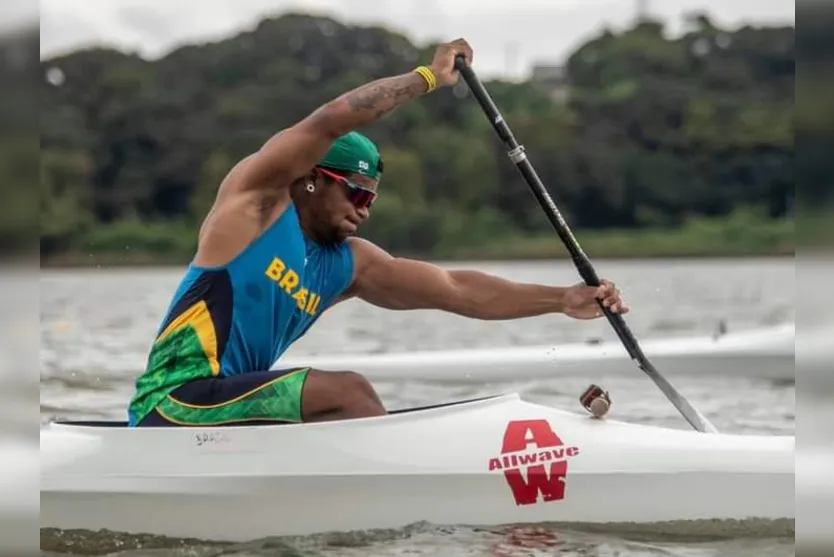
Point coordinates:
[[353, 152]]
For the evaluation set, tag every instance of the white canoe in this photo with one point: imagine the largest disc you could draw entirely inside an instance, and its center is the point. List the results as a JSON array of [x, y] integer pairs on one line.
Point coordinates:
[[491, 461], [764, 353]]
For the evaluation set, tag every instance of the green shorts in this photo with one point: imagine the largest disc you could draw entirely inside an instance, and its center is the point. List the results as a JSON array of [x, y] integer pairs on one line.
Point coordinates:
[[250, 398]]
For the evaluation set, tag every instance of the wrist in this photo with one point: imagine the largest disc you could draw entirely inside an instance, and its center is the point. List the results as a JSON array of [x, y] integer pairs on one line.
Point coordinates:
[[428, 76], [557, 299]]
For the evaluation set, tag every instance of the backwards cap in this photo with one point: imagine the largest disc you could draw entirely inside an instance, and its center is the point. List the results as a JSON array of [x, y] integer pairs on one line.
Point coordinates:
[[353, 152]]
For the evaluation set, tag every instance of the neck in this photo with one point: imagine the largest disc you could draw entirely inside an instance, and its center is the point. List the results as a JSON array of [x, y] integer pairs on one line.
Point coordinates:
[[301, 200]]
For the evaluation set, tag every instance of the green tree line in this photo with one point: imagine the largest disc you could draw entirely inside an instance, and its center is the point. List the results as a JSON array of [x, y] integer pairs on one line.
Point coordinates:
[[657, 135]]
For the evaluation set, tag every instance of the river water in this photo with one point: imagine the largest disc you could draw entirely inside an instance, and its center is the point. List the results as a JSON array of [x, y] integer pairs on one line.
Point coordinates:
[[98, 323]]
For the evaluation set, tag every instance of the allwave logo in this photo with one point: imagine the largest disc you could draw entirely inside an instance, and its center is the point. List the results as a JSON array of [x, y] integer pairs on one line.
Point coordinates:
[[542, 470]]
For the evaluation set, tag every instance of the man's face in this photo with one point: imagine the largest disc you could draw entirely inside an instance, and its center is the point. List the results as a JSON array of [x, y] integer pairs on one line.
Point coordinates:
[[344, 203]]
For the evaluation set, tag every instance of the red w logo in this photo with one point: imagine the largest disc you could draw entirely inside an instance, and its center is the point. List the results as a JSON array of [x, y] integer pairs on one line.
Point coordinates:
[[532, 473]]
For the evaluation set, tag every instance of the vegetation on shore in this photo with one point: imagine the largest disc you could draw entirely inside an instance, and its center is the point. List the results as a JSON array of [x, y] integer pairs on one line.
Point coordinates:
[[740, 235], [654, 146]]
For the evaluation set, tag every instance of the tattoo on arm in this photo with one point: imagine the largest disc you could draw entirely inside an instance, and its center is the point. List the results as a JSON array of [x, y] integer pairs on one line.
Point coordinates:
[[379, 97]]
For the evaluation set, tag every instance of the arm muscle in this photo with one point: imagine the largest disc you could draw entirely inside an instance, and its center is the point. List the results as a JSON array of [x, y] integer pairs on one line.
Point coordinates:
[[397, 283], [292, 152]]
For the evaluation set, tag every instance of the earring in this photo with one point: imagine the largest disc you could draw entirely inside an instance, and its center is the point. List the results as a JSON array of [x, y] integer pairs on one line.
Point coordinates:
[[310, 187]]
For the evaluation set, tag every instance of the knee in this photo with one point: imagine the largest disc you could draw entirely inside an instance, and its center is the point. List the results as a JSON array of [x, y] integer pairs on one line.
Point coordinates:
[[330, 395], [354, 382], [358, 394]]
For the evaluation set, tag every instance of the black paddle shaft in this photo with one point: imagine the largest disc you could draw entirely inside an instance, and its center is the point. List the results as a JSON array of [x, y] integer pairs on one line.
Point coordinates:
[[583, 264]]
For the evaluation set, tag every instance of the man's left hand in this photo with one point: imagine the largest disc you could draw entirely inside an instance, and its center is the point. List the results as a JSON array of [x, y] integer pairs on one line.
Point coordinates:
[[581, 300]]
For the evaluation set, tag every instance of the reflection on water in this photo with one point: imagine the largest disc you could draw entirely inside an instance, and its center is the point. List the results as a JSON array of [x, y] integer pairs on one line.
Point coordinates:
[[704, 539]]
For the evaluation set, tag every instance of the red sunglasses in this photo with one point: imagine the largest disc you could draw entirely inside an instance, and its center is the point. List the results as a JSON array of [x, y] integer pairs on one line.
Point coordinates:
[[360, 196]]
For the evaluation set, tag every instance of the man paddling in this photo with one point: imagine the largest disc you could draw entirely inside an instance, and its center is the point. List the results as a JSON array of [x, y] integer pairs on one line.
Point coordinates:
[[277, 249]]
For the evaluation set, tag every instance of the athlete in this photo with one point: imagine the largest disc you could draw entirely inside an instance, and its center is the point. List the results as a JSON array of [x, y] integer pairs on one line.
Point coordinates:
[[278, 248]]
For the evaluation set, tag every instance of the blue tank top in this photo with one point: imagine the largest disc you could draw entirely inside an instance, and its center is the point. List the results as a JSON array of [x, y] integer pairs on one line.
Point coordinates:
[[242, 316]]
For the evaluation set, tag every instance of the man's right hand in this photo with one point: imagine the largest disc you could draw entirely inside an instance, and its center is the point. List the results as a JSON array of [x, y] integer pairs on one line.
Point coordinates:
[[443, 65]]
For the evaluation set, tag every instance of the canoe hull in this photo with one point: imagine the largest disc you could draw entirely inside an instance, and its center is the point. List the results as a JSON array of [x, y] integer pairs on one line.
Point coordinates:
[[488, 462], [299, 506]]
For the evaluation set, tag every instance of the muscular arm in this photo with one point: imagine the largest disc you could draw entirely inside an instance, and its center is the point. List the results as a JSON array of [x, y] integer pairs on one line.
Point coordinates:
[[396, 283], [290, 153]]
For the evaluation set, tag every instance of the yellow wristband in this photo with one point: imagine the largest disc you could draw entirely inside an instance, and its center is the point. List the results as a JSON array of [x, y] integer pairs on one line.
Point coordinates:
[[428, 75]]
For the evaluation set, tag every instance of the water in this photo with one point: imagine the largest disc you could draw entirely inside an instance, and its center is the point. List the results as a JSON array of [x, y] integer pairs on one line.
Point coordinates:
[[97, 325]]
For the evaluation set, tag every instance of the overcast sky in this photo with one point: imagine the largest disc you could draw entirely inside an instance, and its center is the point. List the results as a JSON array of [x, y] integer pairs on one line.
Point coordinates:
[[507, 35]]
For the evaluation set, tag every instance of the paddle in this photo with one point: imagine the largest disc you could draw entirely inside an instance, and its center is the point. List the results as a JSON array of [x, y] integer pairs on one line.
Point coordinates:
[[583, 264]]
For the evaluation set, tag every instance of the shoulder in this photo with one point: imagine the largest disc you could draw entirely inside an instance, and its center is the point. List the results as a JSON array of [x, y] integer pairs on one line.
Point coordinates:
[[366, 253], [366, 256], [236, 217]]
